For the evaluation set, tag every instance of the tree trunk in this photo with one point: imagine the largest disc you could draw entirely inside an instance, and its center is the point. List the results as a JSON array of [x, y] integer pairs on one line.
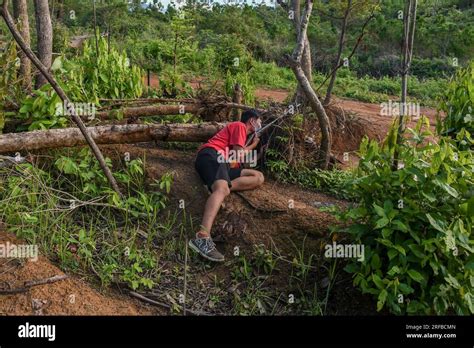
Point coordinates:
[[306, 64], [323, 119], [145, 111], [337, 63], [20, 13], [238, 99], [295, 63], [409, 20], [44, 32], [117, 134]]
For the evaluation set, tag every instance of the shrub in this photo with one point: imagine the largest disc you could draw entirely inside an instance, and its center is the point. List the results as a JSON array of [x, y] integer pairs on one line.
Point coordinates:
[[458, 103], [416, 225]]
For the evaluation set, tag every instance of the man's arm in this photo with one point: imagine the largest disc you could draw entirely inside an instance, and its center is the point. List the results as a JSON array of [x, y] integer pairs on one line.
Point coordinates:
[[243, 151]]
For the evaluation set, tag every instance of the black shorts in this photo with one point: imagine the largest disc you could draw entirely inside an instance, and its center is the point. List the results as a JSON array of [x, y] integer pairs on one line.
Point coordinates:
[[210, 169]]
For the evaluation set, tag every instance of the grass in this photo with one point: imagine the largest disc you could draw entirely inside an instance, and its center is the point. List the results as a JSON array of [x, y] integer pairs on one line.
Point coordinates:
[[365, 89]]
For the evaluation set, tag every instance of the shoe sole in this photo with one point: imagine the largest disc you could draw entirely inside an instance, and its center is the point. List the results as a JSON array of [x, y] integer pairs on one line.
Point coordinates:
[[196, 249]]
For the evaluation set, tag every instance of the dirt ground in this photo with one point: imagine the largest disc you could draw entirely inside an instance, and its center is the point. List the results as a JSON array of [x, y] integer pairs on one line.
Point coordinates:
[[70, 296]]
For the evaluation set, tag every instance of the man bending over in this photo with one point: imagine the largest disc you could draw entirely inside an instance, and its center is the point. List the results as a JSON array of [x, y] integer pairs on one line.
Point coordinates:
[[217, 167]]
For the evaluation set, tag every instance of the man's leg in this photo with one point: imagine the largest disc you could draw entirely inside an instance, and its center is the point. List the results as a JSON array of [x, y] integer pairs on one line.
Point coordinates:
[[220, 190], [249, 179], [203, 243]]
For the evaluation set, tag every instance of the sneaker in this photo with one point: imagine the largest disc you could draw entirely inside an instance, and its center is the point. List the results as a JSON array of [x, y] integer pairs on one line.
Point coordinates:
[[206, 248]]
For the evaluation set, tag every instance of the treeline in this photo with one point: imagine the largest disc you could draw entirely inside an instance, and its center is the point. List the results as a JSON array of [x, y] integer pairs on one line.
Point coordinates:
[[211, 38]]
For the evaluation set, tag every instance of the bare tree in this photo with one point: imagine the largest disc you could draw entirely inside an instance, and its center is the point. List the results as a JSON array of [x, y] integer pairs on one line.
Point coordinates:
[[409, 22], [20, 13], [295, 62], [294, 13], [69, 106], [342, 38], [44, 32], [342, 41]]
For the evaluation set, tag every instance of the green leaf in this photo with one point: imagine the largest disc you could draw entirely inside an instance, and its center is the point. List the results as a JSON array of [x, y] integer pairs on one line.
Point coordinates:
[[400, 249], [57, 64], [377, 281], [375, 262], [435, 223], [381, 223], [379, 210], [415, 275], [381, 299], [447, 188], [400, 225]]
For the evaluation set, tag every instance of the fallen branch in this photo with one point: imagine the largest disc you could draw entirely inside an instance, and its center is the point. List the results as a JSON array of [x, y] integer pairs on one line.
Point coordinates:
[[31, 283], [264, 210], [164, 305], [115, 134]]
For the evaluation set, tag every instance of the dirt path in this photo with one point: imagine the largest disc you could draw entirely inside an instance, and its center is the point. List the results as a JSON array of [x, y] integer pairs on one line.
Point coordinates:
[[71, 296]]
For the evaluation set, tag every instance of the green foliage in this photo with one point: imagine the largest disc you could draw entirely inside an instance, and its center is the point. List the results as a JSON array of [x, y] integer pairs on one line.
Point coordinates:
[[335, 182], [416, 225], [85, 79], [373, 90], [43, 109], [10, 84], [69, 210], [108, 75], [458, 103], [246, 84]]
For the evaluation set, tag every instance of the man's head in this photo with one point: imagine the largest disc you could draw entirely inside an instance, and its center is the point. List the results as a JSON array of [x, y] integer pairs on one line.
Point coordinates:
[[252, 120]]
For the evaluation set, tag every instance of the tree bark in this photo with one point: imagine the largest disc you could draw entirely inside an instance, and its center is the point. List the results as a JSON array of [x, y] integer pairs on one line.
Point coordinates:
[[116, 134], [44, 71], [145, 111], [237, 98], [44, 32], [337, 63], [20, 13], [295, 63], [409, 21], [306, 64]]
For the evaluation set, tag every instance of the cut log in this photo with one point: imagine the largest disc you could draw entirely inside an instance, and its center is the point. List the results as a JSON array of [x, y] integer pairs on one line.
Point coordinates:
[[154, 110], [116, 134]]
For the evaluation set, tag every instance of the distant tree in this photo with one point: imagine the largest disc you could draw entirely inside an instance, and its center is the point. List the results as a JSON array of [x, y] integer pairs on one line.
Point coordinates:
[[44, 32], [20, 13], [409, 22]]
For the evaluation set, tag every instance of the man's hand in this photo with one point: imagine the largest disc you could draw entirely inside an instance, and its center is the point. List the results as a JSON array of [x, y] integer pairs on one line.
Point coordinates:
[[256, 139]]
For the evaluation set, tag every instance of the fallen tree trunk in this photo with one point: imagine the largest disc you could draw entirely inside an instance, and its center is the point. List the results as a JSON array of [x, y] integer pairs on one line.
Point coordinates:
[[115, 134], [196, 108], [153, 110]]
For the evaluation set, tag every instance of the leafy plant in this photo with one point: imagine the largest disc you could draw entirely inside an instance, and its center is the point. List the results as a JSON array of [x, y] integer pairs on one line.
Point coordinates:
[[458, 103], [415, 224], [43, 109]]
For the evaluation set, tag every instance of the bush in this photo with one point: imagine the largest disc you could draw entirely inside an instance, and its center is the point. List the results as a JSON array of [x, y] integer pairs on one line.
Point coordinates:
[[458, 103], [416, 225]]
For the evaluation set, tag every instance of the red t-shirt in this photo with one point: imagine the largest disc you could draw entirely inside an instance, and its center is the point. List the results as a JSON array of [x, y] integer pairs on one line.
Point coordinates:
[[235, 133]]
